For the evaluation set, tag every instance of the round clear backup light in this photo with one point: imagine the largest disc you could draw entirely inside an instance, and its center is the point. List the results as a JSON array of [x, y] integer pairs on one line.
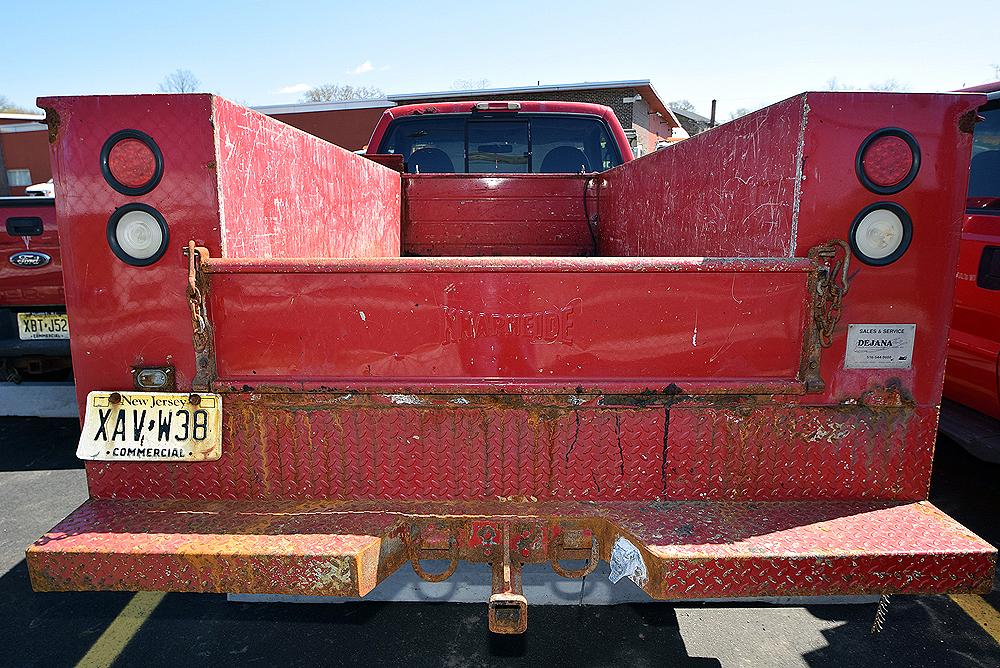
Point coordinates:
[[881, 233], [138, 234]]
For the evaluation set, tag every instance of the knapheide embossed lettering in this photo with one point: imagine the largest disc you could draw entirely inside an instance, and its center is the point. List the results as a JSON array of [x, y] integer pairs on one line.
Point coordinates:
[[549, 326]]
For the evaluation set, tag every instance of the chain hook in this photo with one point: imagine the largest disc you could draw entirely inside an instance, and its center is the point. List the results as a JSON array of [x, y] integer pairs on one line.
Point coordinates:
[[195, 298], [833, 259]]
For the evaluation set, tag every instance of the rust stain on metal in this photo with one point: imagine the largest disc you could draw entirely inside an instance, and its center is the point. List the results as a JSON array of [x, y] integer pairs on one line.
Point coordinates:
[[203, 334], [967, 121], [53, 121], [691, 549]]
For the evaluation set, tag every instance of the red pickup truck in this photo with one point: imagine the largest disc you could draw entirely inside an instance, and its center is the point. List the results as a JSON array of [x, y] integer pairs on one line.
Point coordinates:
[[502, 137], [34, 330], [717, 367], [971, 412]]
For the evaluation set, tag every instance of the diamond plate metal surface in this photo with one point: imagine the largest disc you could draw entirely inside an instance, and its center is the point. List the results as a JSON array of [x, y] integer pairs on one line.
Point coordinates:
[[794, 452], [690, 549], [313, 446]]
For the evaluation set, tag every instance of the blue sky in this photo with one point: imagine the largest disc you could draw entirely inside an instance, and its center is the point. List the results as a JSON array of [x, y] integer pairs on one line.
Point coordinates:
[[746, 54]]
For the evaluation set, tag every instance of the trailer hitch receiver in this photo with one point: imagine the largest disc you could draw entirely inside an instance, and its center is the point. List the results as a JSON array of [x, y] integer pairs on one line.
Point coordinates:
[[508, 608]]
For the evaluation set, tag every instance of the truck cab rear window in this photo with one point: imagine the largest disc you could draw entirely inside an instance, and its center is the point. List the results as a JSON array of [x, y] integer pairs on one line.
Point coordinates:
[[508, 144], [984, 170]]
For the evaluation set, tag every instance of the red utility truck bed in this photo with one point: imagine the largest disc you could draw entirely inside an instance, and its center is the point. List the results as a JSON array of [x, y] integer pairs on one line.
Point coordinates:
[[700, 395]]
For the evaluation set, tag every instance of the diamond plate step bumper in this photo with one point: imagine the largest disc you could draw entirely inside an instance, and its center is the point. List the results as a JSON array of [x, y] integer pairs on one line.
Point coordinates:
[[673, 550]]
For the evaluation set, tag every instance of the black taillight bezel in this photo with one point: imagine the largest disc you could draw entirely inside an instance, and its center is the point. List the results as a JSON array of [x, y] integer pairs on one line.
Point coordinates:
[[150, 144], [859, 167]]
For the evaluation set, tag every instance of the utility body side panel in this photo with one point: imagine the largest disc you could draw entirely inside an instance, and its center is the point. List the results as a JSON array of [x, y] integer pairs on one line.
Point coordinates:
[[740, 200], [919, 287], [352, 205], [111, 305]]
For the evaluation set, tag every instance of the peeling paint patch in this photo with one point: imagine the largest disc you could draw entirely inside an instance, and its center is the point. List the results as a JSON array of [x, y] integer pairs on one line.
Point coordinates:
[[404, 399]]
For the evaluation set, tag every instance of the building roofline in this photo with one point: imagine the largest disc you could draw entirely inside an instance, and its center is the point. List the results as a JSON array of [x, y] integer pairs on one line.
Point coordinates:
[[23, 127], [6, 116], [306, 107], [553, 88], [692, 115], [656, 104]]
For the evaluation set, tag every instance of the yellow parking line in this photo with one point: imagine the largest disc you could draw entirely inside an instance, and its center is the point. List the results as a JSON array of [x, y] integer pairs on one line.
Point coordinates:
[[111, 643], [981, 612]]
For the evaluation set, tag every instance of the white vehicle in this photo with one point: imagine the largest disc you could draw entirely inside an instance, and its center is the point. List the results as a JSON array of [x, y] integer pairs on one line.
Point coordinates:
[[40, 190]]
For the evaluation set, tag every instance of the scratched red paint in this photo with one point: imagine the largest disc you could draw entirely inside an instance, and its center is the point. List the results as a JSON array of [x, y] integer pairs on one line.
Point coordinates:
[[289, 177], [739, 202], [559, 327]]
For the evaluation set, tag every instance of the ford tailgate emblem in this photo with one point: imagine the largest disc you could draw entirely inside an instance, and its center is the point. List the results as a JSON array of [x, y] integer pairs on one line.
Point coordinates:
[[29, 259]]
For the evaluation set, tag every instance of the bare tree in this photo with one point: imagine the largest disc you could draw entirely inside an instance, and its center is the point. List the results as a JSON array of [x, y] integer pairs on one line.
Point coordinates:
[[6, 106], [333, 92], [887, 86], [834, 84], [742, 111], [470, 84], [180, 81], [681, 105]]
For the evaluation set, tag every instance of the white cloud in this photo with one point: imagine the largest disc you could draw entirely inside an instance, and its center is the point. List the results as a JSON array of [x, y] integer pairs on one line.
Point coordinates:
[[294, 88], [364, 67]]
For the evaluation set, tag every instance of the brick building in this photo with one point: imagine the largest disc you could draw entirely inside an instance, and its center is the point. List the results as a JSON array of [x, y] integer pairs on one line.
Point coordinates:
[[642, 113], [24, 152]]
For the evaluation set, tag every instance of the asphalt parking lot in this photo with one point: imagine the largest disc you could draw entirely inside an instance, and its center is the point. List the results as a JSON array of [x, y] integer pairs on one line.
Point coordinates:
[[41, 481]]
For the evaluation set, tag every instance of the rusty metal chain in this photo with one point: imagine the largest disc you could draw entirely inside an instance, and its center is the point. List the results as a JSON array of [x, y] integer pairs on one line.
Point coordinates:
[[834, 259], [196, 300]]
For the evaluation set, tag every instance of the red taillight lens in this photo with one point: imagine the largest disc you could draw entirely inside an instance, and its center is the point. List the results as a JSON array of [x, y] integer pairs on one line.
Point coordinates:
[[888, 160], [131, 162]]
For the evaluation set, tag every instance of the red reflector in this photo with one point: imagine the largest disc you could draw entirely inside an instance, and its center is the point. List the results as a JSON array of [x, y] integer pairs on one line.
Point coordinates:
[[132, 163], [887, 160]]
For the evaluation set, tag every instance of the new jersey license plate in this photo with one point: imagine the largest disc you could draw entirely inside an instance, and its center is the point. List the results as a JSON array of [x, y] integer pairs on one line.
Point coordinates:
[[42, 326], [152, 426]]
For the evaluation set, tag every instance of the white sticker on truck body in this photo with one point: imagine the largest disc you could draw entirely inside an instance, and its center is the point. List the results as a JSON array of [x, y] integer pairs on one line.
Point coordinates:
[[879, 346]]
